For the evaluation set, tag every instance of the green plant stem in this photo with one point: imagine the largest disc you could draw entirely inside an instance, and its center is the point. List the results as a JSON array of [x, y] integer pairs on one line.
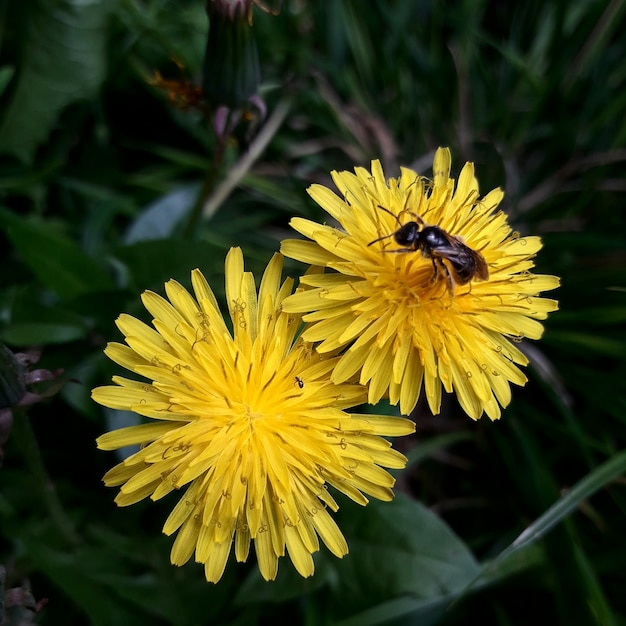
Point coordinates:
[[205, 192], [211, 196], [245, 162], [24, 436]]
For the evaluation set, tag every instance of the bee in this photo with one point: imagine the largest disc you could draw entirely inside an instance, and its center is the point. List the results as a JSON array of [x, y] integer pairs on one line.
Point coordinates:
[[449, 255]]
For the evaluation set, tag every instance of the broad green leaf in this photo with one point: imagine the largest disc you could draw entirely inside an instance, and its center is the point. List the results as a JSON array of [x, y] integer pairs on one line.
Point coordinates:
[[35, 321], [178, 596], [400, 549], [159, 219], [83, 584], [148, 264], [289, 584], [429, 611], [56, 260], [63, 60], [30, 334], [397, 548]]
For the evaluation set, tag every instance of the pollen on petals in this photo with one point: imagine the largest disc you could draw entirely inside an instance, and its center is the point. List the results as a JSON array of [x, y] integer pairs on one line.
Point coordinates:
[[407, 313], [244, 423]]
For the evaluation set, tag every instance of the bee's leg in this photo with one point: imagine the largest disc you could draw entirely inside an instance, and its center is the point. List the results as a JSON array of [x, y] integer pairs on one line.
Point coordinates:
[[435, 268], [450, 281], [440, 266]]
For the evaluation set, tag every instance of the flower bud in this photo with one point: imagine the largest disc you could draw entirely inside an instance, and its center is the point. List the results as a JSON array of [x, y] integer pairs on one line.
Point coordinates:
[[231, 74]]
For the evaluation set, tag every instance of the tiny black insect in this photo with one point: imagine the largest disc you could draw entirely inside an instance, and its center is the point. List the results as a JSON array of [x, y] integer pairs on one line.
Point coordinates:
[[463, 263], [299, 382]]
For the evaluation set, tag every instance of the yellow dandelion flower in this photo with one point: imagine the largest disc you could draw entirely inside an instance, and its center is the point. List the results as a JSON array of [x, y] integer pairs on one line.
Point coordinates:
[[248, 421], [430, 287]]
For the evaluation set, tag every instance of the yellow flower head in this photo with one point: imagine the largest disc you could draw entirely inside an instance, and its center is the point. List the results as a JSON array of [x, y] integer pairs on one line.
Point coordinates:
[[412, 304], [248, 421]]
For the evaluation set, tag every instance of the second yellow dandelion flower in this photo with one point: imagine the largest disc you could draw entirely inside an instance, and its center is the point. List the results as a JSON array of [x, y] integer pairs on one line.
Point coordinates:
[[408, 316]]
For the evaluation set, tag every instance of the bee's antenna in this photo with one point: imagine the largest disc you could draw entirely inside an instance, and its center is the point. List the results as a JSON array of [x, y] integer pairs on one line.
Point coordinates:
[[380, 238], [395, 217]]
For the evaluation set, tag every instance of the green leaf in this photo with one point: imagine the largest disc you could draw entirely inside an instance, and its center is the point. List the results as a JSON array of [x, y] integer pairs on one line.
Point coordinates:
[[56, 260], [587, 343], [594, 594], [150, 263], [429, 611], [585, 488], [42, 333], [63, 60], [82, 584], [159, 219], [398, 549], [289, 584], [178, 596], [432, 446], [34, 321], [12, 384], [6, 74]]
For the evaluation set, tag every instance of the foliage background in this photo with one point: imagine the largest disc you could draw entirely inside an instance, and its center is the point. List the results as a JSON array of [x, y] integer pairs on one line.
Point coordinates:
[[98, 174]]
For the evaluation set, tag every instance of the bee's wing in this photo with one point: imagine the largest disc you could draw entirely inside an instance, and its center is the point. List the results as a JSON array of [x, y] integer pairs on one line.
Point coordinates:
[[467, 263]]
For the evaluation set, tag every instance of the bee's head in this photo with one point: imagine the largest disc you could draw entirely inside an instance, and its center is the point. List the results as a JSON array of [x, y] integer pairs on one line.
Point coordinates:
[[407, 235]]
